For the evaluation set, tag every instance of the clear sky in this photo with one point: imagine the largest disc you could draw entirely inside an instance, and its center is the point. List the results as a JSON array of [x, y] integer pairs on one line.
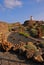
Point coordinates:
[[21, 10]]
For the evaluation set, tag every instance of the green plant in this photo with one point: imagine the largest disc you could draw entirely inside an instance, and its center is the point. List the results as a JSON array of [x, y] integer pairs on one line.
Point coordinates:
[[33, 32], [31, 47], [9, 28], [24, 34]]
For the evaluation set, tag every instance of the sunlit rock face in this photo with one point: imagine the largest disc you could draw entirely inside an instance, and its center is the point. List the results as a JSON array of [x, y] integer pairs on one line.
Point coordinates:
[[3, 27], [38, 58], [43, 37]]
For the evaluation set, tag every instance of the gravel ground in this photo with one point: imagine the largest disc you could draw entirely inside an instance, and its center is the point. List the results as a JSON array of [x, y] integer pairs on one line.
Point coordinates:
[[7, 58]]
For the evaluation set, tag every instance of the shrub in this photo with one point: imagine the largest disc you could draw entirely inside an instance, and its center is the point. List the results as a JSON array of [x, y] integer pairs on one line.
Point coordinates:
[[9, 28], [33, 32], [31, 47], [24, 34]]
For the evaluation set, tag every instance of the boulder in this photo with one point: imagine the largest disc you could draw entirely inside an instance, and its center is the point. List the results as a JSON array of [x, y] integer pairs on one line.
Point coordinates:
[[38, 58]]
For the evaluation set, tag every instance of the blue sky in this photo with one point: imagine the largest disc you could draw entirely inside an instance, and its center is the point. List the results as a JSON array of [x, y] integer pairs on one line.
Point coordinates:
[[21, 10]]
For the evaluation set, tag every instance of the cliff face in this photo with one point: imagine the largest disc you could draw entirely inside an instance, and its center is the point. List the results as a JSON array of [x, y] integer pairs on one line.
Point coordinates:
[[3, 27]]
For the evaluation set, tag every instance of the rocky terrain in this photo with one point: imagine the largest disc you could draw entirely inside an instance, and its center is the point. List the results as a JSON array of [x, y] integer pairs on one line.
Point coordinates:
[[14, 47]]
